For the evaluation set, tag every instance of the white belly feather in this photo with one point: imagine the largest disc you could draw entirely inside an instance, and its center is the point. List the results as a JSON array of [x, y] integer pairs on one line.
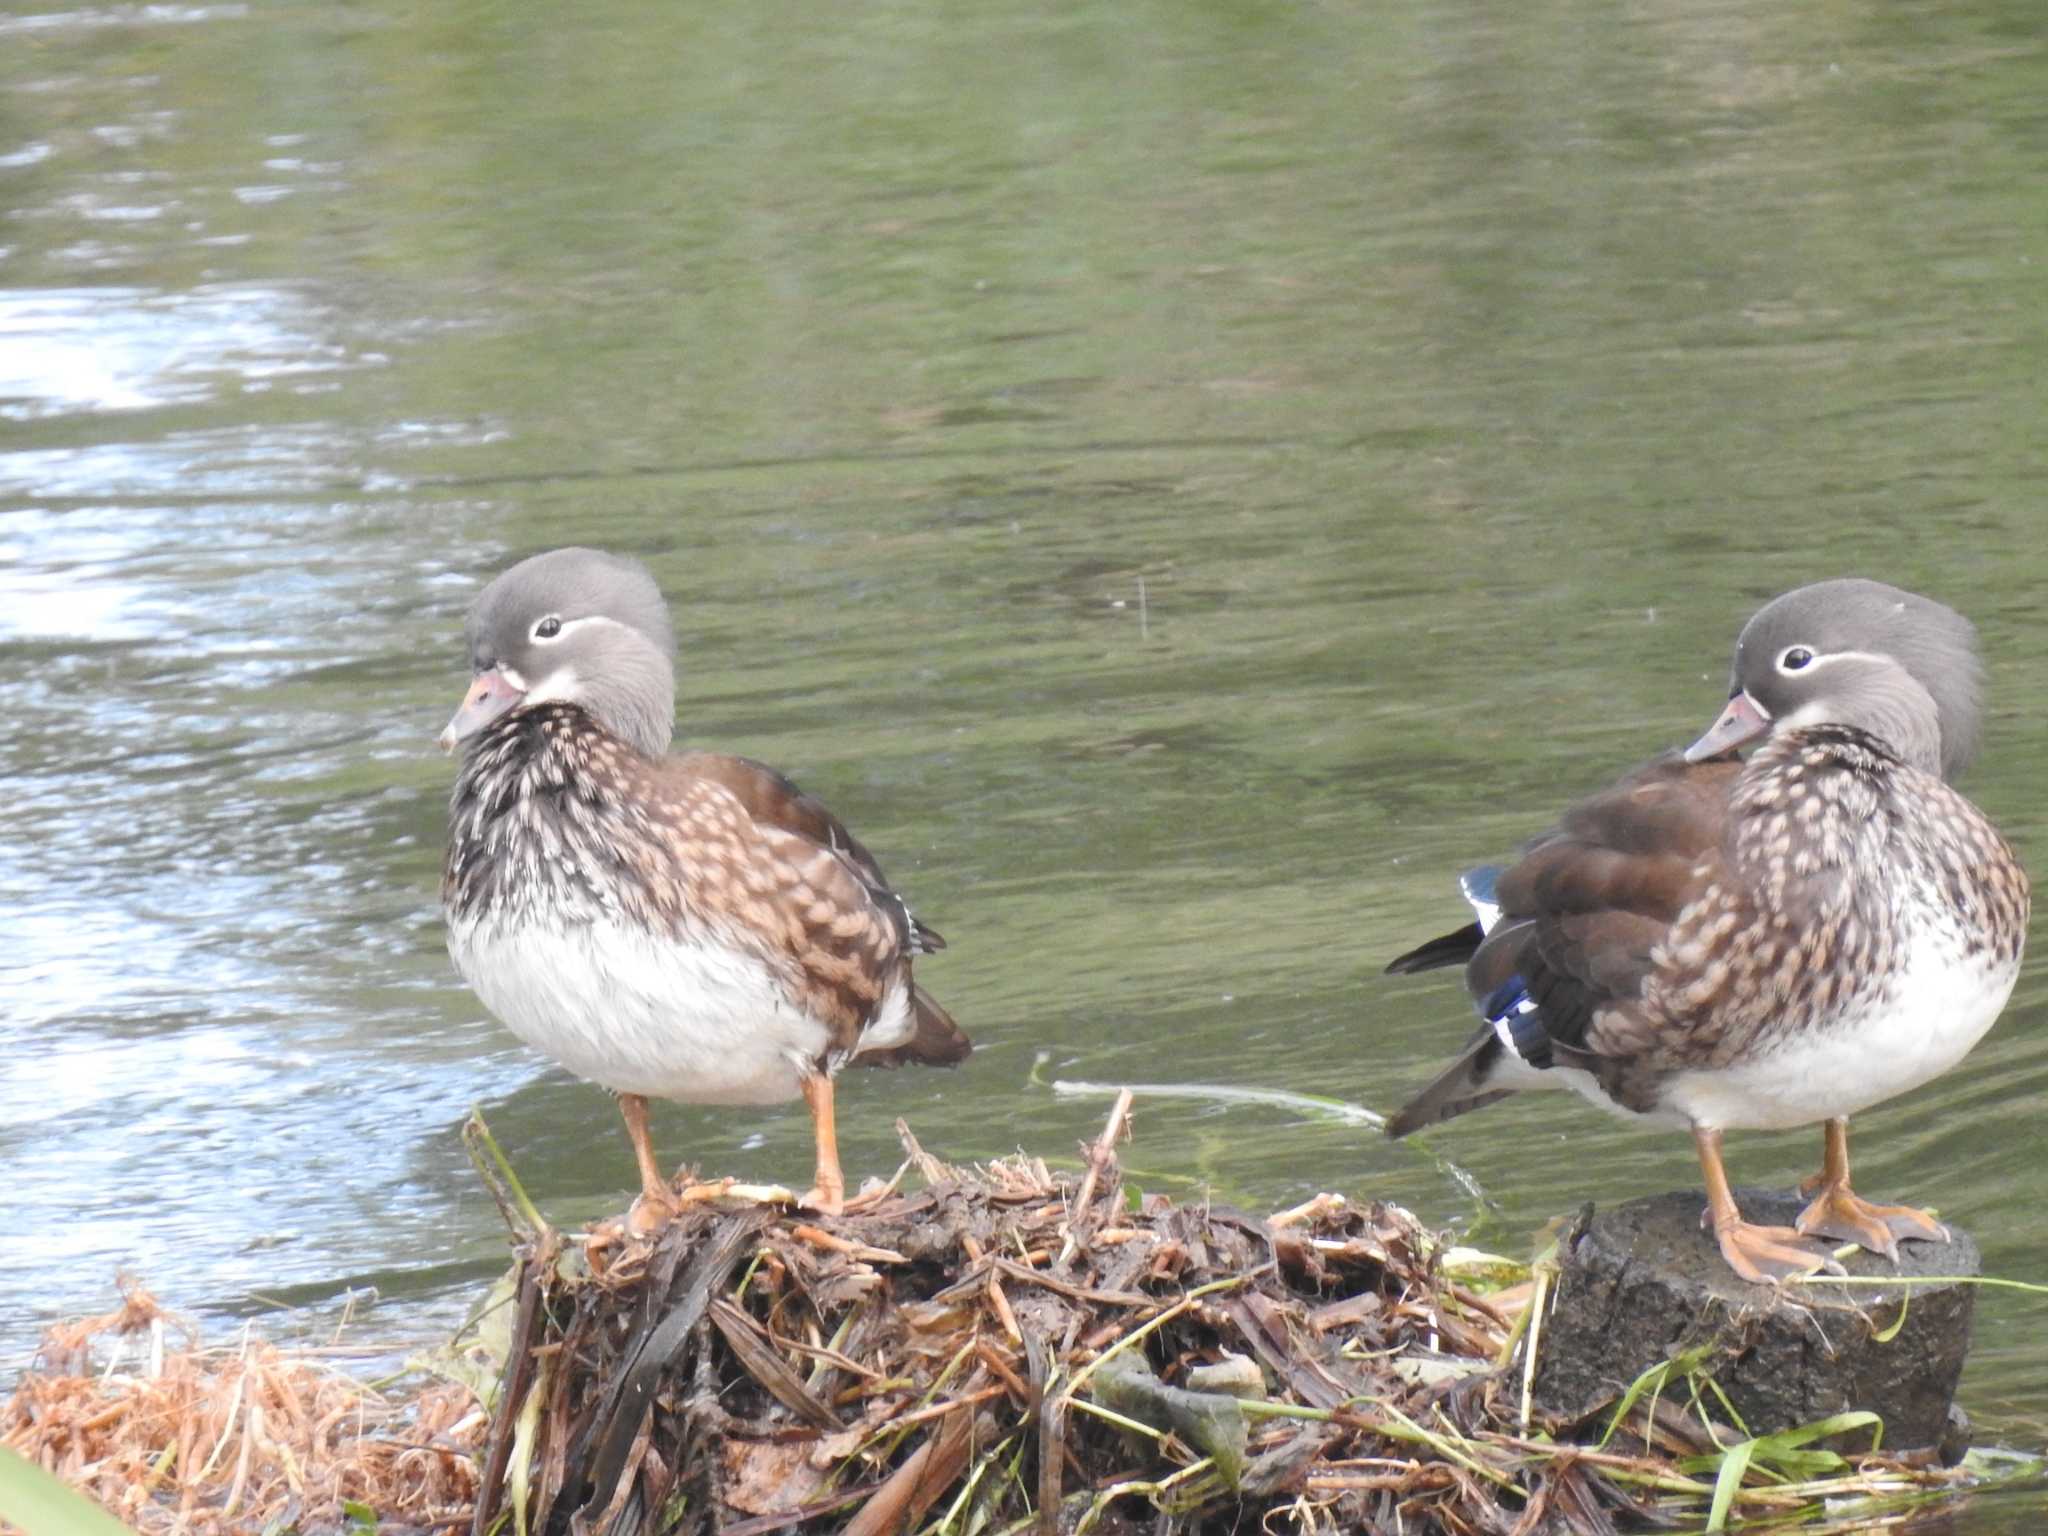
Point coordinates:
[[1939, 1006], [639, 1013]]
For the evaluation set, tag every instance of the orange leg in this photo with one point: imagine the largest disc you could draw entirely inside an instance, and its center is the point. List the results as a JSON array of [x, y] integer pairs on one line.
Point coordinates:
[[1760, 1254], [656, 1207], [1839, 1212], [828, 1194]]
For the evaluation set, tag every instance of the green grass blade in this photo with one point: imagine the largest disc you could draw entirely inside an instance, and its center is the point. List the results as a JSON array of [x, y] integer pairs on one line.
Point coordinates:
[[44, 1505], [1834, 1424], [1733, 1466]]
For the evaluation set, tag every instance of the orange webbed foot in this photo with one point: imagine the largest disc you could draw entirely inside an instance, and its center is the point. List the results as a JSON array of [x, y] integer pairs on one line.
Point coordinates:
[[649, 1213], [1839, 1212], [824, 1199], [1760, 1255], [1767, 1255]]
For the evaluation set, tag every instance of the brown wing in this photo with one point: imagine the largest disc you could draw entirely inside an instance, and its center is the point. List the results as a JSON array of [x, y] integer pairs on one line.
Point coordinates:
[[774, 800], [781, 870], [1586, 905]]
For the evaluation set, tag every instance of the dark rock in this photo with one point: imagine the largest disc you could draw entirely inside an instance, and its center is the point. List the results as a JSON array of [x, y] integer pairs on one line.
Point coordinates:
[[1643, 1281]]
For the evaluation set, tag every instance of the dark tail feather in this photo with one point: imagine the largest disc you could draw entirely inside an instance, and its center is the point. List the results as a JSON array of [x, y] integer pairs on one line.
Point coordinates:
[[939, 1042], [1458, 1089], [935, 1041], [1451, 949]]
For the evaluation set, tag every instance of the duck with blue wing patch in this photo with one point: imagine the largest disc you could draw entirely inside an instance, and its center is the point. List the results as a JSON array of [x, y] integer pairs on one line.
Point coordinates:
[[1723, 944]]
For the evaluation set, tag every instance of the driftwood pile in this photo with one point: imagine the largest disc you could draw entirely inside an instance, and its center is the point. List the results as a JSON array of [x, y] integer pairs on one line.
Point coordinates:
[[999, 1351], [1011, 1350], [1035, 1352]]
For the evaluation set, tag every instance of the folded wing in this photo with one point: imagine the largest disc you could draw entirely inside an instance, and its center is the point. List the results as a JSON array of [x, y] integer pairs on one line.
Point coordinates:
[[850, 934], [1579, 917]]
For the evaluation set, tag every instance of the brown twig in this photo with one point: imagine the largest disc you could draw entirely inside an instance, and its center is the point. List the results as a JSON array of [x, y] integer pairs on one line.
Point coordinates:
[[818, 1237], [916, 1485], [992, 1357], [1076, 1292], [1101, 1155]]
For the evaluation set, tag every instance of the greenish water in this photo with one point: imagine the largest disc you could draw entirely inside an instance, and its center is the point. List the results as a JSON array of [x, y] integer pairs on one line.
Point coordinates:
[[1181, 481]]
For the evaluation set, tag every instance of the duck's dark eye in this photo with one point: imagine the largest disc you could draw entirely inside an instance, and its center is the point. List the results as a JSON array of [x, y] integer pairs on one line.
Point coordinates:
[[1795, 659], [547, 628]]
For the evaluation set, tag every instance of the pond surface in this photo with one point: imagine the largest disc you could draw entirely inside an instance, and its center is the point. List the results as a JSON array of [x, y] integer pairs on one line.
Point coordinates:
[[1180, 481]]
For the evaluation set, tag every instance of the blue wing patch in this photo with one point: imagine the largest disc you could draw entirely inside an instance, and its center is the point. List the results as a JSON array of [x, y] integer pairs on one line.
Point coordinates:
[[1478, 886], [1508, 1008]]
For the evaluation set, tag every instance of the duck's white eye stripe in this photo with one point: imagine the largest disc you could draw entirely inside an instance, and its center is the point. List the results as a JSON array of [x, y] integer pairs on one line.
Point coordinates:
[[554, 627], [1795, 659]]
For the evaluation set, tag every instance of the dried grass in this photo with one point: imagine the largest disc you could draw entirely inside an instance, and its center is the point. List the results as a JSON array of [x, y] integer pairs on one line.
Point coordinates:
[[198, 1441]]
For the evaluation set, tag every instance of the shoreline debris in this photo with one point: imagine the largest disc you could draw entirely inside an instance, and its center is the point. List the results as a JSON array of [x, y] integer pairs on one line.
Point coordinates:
[[1004, 1350], [250, 1437]]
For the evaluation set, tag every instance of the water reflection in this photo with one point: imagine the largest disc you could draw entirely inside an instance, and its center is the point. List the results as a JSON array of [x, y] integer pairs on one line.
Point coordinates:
[[87, 19], [192, 1086], [100, 350]]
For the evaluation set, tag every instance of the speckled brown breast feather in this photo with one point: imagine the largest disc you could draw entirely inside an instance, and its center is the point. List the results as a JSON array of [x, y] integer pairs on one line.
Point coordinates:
[[553, 814]]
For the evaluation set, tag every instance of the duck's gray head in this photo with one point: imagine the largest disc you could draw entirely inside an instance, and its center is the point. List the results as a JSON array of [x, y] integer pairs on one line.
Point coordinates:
[[1863, 654], [573, 626]]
